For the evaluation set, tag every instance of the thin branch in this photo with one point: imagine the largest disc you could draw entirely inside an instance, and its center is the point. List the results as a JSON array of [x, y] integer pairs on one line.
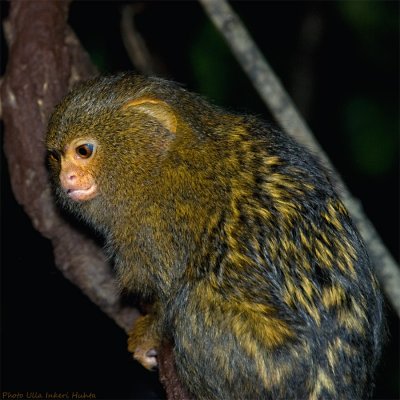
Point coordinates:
[[274, 95], [134, 44]]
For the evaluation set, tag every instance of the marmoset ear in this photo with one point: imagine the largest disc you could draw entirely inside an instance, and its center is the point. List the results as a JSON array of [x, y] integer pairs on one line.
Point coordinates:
[[157, 109]]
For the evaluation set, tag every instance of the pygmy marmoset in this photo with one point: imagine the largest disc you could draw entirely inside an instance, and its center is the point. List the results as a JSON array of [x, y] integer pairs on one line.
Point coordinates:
[[260, 280]]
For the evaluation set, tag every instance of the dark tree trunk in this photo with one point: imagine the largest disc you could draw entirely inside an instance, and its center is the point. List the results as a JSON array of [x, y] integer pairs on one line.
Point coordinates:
[[45, 60]]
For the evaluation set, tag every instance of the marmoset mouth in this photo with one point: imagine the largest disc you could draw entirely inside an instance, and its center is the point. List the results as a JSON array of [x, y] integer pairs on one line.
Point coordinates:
[[83, 194]]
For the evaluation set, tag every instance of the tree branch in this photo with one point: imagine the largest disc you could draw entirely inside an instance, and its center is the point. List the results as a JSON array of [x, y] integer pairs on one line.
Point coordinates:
[[45, 60], [36, 78], [282, 108], [134, 44]]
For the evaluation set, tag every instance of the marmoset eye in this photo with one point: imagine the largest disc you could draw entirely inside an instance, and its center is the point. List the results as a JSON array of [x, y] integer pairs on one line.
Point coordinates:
[[85, 150]]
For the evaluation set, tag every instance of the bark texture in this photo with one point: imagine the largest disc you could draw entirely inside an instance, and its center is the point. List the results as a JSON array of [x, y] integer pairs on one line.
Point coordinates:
[[45, 59]]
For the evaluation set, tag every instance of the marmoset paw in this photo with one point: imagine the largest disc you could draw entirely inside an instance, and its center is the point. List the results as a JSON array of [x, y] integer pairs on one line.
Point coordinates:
[[146, 357], [142, 344]]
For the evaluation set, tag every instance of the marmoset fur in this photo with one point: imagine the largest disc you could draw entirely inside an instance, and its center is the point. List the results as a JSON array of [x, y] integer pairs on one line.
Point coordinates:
[[260, 280]]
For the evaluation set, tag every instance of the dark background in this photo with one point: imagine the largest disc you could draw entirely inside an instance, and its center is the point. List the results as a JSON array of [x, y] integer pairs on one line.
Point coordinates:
[[343, 75]]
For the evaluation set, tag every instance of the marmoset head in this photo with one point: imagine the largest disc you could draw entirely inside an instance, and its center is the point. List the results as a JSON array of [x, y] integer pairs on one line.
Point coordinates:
[[106, 135]]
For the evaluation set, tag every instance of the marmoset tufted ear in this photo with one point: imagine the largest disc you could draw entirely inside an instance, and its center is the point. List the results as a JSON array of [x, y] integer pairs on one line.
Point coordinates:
[[157, 109]]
